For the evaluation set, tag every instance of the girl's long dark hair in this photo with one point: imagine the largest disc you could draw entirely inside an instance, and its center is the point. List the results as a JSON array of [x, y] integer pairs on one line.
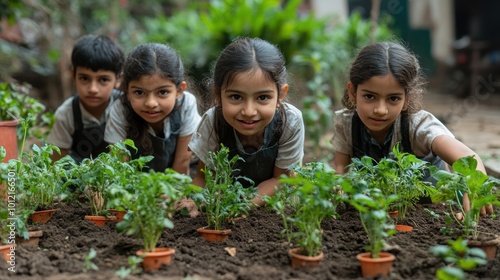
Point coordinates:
[[242, 55], [148, 59]]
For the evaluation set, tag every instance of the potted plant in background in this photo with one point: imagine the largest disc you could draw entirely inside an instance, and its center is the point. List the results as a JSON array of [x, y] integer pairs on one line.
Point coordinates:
[[481, 190], [372, 205], [16, 104], [149, 199], [303, 201], [223, 198]]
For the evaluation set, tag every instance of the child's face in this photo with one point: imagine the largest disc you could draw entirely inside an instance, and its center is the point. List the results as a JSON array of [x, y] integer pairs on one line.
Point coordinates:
[[379, 101], [94, 87], [249, 103], [153, 98]]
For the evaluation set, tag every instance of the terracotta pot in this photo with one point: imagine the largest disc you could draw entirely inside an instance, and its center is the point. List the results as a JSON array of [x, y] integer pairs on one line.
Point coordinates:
[[299, 260], [100, 220], [118, 213], [33, 240], [214, 235], [403, 228], [8, 130], [5, 251], [153, 260], [488, 246], [43, 216], [380, 266], [393, 214]]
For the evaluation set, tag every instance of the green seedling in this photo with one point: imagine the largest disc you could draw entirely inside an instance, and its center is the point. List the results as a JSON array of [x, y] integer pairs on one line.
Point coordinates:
[[459, 258], [88, 264], [223, 198]]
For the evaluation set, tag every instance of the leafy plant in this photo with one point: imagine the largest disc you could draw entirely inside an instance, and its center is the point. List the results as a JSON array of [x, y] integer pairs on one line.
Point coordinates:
[[134, 268], [402, 174], [15, 103], [88, 264], [304, 201], [149, 199], [96, 175], [480, 188], [41, 181], [373, 206], [223, 198], [459, 257]]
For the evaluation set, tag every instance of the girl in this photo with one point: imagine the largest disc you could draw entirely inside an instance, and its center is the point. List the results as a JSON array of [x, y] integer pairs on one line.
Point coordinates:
[[383, 107], [155, 110], [250, 115]]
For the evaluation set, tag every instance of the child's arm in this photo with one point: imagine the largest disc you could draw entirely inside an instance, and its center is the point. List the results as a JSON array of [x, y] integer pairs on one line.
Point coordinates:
[[182, 155], [340, 161], [450, 150], [267, 186], [56, 156], [199, 177]]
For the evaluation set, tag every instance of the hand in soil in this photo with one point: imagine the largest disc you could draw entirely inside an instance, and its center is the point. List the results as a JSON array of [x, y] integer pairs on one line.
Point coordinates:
[[189, 204]]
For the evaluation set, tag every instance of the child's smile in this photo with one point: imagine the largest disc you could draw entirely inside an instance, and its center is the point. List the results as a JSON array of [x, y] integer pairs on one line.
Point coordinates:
[[249, 103]]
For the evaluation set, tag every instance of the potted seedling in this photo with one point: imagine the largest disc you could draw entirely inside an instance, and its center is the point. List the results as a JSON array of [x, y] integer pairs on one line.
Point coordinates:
[[481, 190], [16, 104], [372, 206], [402, 174], [303, 201], [95, 175], [150, 202], [223, 199], [41, 181]]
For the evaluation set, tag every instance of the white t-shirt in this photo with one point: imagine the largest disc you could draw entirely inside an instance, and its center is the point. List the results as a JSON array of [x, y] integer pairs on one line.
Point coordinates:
[[61, 134], [291, 143], [423, 129], [117, 124]]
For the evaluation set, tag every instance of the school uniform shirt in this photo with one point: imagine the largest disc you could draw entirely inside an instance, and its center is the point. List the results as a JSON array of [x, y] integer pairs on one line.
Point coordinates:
[[291, 142], [117, 124], [423, 129], [63, 129]]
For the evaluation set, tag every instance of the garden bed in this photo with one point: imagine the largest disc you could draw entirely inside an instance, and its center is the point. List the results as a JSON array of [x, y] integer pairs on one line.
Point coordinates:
[[260, 251]]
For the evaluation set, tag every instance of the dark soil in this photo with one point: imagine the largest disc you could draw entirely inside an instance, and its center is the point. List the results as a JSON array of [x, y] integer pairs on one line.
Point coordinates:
[[260, 251]]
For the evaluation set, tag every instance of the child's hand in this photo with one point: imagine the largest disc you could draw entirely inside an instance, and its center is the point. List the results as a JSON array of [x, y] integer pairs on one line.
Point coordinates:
[[466, 204], [189, 204]]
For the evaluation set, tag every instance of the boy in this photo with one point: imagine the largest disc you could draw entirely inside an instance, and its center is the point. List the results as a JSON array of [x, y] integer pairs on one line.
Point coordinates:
[[80, 121]]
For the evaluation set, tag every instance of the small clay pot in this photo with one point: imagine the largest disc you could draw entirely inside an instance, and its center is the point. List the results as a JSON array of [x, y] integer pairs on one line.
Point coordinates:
[[214, 235], [43, 216], [394, 214], [100, 220], [488, 246], [403, 228], [5, 251], [153, 260], [119, 214], [33, 239], [380, 266], [299, 260]]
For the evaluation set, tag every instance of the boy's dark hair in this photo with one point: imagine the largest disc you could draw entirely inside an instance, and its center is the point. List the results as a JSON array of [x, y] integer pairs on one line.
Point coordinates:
[[98, 52]]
